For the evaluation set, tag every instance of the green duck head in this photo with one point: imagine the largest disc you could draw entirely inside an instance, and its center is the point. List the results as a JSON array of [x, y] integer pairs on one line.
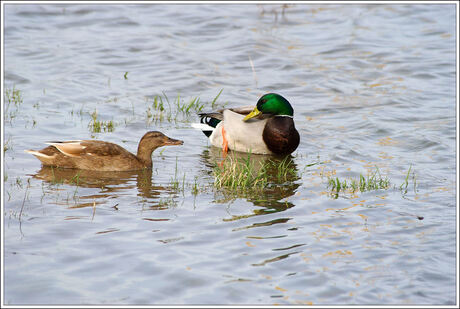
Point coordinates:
[[271, 103]]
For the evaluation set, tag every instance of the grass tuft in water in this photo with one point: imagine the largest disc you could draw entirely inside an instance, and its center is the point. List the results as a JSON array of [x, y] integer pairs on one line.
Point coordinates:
[[405, 184], [97, 126], [187, 107], [8, 144], [246, 174], [166, 202], [13, 98], [175, 183], [373, 181], [158, 103], [215, 99], [162, 109], [195, 187], [240, 174], [54, 179]]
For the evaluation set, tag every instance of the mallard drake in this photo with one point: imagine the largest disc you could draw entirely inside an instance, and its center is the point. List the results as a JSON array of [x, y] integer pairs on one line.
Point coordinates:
[[103, 156], [267, 128]]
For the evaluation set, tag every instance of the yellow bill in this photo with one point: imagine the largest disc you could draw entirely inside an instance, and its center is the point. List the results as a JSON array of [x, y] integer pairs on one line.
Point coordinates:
[[255, 112]]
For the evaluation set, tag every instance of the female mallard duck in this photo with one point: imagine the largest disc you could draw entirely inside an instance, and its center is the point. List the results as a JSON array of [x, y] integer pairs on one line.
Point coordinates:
[[103, 156], [266, 129]]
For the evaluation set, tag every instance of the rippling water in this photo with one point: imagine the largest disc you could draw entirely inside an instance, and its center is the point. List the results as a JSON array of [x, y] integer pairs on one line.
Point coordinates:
[[371, 85]]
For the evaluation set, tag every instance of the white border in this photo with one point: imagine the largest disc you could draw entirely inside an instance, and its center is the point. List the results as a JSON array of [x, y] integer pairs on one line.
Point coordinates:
[[3, 3]]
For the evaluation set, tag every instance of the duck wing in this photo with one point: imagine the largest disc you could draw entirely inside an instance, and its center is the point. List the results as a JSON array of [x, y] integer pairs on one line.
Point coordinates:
[[243, 110], [210, 120], [86, 147], [207, 117]]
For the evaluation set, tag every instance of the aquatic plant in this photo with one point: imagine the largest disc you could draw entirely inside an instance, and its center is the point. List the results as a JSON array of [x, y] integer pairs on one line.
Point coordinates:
[[175, 184], [55, 180], [241, 174], [158, 103], [187, 108], [163, 109], [7, 144], [195, 189], [19, 182], [166, 202], [179, 185], [13, 97], [373, 181], [97, 126], [215, 99], [404, 185]]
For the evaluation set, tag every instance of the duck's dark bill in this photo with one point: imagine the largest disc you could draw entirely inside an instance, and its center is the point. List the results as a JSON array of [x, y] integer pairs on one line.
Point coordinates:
[[172, 141]]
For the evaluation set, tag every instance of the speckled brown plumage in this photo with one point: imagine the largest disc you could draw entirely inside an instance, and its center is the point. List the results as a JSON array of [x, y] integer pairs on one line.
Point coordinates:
[[103, 156]]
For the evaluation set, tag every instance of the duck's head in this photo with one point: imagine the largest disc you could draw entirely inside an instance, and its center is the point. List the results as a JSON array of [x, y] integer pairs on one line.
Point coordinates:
[[271, 103], [151, 141], [154, 139]]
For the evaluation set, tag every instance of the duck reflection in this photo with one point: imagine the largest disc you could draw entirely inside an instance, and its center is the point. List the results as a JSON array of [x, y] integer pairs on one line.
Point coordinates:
[[281, 174], [108, 182]]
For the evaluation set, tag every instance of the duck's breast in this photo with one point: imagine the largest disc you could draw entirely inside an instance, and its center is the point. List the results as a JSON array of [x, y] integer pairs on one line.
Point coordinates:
[[244, 136], [280, 135]]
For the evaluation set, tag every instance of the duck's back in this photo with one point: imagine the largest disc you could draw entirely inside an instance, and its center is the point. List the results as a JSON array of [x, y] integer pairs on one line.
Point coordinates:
[[89, 155]]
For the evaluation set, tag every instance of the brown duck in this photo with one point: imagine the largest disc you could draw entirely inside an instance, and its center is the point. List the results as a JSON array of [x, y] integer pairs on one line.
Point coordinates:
[[103, 156]]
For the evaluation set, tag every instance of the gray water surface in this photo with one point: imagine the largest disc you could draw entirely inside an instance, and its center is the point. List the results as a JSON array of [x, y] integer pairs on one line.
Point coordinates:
[[372, 86]]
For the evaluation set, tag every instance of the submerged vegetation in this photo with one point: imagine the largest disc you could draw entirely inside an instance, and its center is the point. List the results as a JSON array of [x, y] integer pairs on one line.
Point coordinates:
[[373, 181], [405, 184], [13, 99], [245, 173], [238, 175], [162, 109], [97, 126]]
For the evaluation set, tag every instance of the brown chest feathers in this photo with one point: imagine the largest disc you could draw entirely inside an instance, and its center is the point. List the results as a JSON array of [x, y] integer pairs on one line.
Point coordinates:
[[280, 135]]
